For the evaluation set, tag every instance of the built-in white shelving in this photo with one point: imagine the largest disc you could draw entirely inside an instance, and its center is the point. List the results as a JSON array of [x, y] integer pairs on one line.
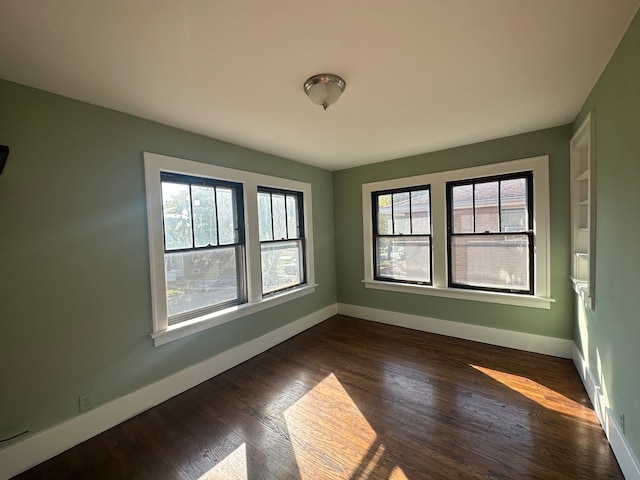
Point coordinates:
[[583, 211]]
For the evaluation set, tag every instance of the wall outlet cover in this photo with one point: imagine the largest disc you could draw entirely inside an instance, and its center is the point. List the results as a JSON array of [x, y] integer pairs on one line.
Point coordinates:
[[86, 401]]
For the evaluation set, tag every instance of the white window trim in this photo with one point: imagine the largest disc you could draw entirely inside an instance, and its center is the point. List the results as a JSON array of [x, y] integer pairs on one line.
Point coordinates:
[[437, 181], [154, 164]]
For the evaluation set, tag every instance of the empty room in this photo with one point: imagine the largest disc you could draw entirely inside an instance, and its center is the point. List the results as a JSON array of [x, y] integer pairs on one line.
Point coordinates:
[[319, 240]]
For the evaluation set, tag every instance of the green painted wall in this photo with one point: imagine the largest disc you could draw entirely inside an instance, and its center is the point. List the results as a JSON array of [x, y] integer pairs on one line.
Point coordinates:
[[609, 336], [556, 322], [74, 284], [75, 311]]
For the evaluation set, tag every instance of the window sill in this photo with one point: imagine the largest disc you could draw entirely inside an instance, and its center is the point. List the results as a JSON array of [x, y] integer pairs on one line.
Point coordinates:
[[477, 296], [189, 327]]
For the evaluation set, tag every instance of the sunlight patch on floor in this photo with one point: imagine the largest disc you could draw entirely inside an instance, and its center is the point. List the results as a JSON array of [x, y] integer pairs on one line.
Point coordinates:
[[332, 439], [397, 474], [233, 467], [540, 394]]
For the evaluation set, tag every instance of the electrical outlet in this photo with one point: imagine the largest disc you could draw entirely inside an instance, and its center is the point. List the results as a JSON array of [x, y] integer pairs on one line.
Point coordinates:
[[86, 402], [622, 422]]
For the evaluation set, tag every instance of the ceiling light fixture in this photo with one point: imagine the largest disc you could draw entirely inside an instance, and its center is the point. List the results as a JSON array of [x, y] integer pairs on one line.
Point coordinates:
[[324, 89]]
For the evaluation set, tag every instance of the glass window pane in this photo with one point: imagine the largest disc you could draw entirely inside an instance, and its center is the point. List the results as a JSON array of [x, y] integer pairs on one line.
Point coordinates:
[[279, 216], [463, 209], [486, 203], [176, 212], [385, 225], [420, 212], [492, 261], [264, 216], [281, 265], [199, 279], [204, 216], [401, 214], [513, 200], [404, 258], [227, 228], [292, 217]]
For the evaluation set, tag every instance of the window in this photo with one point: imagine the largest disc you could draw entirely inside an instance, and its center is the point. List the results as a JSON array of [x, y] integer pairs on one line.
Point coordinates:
[[215, 255], [490, 233], [203, 245], [402, 235], [281, 239], [487, 237]]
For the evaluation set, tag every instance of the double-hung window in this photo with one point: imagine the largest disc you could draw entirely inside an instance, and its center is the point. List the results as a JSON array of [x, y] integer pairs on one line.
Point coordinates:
[[203, 232], [478, 233], [402, 235], [490, 233], [281, 239], [223, 244]]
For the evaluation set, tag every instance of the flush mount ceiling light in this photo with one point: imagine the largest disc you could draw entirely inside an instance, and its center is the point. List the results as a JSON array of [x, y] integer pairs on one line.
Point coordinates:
[[324, 89]]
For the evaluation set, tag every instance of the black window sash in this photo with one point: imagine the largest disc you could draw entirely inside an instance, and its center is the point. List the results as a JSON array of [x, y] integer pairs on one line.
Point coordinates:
[[191, 181], [300, 238], [239, 246], [377, 235], [528, 176], [300, 212]]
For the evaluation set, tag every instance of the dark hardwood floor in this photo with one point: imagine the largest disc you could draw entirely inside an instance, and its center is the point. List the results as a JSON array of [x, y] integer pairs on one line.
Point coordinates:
[[351, 399]]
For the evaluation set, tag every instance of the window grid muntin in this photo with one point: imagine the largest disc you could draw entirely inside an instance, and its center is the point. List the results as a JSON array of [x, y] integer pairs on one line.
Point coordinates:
[[376, 235], [216, 216], [238, 209], [528, 176], [299, 213], [239, 245], [299, 235]]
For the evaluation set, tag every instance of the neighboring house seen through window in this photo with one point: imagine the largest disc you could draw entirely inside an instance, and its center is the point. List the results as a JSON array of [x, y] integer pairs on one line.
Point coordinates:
[[478, 233], [490, 233]]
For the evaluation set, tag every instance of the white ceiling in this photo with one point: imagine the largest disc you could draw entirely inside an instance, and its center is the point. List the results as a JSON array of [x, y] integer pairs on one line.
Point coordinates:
[[421, 75]]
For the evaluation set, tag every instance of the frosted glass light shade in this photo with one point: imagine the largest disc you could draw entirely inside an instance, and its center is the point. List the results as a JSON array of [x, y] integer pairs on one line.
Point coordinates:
[[324, 89]]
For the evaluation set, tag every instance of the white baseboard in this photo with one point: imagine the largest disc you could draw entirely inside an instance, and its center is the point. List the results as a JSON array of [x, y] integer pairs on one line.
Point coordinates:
[[626, 459], [48, 443], [521, 341], [556, 347]]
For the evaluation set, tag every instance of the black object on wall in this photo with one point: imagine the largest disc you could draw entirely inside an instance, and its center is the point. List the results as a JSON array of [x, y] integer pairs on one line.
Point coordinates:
[[4, 153]]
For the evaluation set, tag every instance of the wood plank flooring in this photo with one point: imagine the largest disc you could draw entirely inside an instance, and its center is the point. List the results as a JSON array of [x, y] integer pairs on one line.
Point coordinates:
[[351, 399]]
